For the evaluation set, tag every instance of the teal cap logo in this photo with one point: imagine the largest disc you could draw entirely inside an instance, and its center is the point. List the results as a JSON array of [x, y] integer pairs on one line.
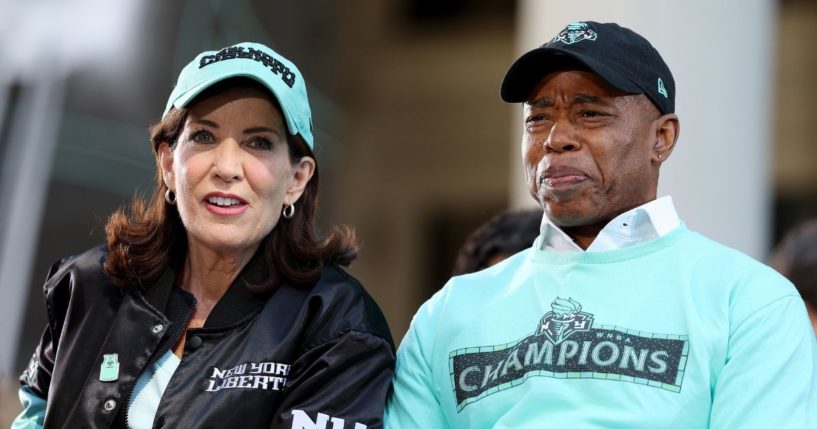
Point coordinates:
[[575, 32], [662, 89]]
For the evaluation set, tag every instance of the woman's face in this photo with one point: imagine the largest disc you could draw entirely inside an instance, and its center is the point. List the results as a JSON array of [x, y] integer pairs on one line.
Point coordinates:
[[231, 170]]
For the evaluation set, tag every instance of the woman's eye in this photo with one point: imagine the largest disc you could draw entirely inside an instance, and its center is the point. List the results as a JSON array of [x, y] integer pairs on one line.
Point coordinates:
[[203, 137], [260, 143]]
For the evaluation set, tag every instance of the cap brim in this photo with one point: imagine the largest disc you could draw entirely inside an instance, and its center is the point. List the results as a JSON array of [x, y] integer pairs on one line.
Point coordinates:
[[526, 72]]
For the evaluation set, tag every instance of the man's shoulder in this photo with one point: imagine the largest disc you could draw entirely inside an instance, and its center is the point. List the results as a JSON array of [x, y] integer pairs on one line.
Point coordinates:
[[746, 279], [728, 259], [472, 290], [491, 278]]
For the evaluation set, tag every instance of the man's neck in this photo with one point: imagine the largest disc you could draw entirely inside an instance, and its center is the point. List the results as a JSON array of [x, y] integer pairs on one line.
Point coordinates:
[[646, 222], [583, 235]]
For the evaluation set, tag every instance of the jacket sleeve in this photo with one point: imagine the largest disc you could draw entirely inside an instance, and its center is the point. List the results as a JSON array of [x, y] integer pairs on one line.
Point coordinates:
[[769, 377], [36, 378], [413, 402], [341, 381], [33, 414]]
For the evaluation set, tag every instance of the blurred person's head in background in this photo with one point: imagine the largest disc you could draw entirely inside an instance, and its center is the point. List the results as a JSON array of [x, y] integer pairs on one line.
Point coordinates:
[[503, 235], [796, 258]]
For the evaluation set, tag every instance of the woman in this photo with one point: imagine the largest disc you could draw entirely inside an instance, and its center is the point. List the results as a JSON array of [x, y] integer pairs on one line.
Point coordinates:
[[213, 305]]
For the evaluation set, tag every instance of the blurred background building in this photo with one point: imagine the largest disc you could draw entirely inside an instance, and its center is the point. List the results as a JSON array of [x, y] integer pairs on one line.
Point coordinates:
[[415, 146]]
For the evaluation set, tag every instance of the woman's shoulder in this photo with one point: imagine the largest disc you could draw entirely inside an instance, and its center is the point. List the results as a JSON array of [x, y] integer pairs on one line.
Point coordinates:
[[88, 264], [79, 274], [342, 304]]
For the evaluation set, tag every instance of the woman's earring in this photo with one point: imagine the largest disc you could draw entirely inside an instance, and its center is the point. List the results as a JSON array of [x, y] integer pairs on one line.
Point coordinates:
[[170, 197], [289, 211]]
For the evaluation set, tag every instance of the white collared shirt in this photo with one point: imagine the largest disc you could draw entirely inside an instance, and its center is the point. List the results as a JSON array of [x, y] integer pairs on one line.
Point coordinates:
[[643, 223]]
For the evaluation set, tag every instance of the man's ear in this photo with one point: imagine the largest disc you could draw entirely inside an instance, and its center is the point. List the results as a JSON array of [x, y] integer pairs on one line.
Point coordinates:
[[302, 172], [165, 156], [667, 128]]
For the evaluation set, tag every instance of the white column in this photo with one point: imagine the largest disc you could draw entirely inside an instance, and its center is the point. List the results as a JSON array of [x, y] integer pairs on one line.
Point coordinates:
[[721, 54], [26, 169]]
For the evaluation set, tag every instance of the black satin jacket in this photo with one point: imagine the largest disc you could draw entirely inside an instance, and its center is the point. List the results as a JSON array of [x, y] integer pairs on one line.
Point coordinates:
[[292, 358]]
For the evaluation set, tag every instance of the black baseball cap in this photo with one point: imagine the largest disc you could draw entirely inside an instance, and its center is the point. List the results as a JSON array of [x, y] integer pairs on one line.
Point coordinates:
[[618, 55]]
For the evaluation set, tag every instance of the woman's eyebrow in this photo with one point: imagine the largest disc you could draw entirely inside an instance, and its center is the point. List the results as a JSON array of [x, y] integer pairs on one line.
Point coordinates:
[[207, 122], [253, 130]]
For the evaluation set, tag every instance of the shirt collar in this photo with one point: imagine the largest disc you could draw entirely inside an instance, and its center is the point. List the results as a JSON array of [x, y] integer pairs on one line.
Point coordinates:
[[643, 223]]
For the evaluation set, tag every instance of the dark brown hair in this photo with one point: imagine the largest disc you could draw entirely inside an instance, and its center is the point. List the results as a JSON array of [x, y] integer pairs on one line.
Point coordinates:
[[796, 258], [503, 235], [143, 241]]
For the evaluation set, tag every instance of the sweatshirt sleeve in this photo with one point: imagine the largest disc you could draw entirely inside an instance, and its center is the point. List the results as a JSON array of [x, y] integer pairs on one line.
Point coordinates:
[[769, 378], [413, 402], [343, 381]]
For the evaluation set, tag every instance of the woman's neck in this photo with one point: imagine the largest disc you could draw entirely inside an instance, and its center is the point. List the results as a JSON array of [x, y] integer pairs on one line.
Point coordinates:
[[208, 273]]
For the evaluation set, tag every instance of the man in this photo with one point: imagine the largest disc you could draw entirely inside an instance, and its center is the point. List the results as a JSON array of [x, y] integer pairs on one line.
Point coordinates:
[[618, 316]]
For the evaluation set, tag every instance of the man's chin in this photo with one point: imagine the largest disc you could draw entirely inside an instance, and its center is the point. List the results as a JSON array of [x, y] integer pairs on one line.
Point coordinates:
[[568, 215]]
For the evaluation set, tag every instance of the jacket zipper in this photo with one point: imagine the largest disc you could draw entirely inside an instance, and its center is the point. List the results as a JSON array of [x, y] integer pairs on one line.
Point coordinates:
[[152, 361]]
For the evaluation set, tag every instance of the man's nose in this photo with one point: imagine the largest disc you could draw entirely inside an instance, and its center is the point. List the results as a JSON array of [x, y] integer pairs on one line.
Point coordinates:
[[562, 137]]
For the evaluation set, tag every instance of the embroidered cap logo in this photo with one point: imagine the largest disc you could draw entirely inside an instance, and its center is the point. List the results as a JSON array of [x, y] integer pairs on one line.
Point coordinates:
[[233, 52], [575, 32], [662, 89]]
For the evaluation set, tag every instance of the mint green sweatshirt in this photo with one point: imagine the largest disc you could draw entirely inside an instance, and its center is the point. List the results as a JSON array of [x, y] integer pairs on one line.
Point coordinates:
[[677, 332]]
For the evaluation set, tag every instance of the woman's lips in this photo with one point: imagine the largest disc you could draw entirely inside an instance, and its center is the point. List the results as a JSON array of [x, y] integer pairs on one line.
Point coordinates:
[[223, 204], [226, 210]]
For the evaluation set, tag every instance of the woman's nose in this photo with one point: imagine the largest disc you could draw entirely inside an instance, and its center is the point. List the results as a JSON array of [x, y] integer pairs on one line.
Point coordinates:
[[227, 161]]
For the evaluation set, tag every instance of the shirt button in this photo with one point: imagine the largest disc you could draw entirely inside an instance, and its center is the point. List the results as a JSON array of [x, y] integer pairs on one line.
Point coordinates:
[[109, 405], [194, 342], [157, 328]]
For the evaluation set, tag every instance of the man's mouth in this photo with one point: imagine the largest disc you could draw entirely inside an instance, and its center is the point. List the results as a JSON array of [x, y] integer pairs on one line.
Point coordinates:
[[558, 176]]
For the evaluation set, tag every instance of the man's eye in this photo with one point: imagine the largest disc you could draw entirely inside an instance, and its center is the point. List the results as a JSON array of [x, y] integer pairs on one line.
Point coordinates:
[[534, 118], [592, 114]]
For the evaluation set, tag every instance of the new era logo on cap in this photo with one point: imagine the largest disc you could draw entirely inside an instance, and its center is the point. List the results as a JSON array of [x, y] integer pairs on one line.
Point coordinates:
[[661, 89]]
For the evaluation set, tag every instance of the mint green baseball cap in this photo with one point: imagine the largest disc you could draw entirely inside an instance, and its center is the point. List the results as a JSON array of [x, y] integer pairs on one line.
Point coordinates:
[[254, 61]]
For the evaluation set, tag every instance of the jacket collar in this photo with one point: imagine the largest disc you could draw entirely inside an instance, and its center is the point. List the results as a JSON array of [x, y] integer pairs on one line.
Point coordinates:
[[237, 303]]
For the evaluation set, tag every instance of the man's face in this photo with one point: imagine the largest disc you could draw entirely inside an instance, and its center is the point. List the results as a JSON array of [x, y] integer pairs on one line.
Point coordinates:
[[588, 149]]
